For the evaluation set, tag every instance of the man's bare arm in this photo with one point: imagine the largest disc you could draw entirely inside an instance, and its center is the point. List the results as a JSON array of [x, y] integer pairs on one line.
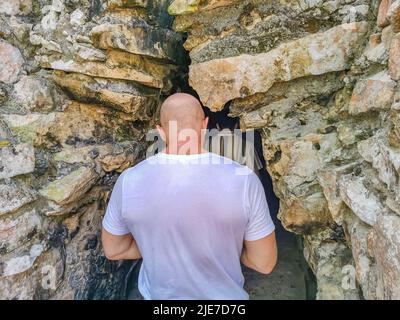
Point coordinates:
[[119, 247], [260, 255]]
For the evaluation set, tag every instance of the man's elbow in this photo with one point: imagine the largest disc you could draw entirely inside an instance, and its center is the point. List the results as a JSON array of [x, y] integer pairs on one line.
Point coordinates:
[[268, 267], [110, 256]]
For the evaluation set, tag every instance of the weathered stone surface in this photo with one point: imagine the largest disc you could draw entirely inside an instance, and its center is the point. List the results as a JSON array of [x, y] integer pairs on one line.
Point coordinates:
[[361, 201], [311, 76], [25, 128], [365, 267], [87, 124], [21, 263], [393, 16], [37, 94], [97, 69], [377, 54], [386, 252], [384, 159], [71, 187], [16, 160], [382, 20], [15, 7], [191, 6], [84, 154], [157, 43], [16, 231], [11, 62], [329, 179], [282, 96], [13, 197], [120, 95], [32, 277], [374, 93], [333, 266], [394, 58], [75, 106], [303, 211], [127, 3], [329, 126], [241, 76]]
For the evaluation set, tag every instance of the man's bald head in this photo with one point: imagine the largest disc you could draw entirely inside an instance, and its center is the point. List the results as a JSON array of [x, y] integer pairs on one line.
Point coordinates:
[[183, 108], [182, 123]]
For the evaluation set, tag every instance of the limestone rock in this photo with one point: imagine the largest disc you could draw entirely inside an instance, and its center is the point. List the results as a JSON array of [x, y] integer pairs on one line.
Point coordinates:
[[183, 7], [373, 93], [71, 187], [191, 6], [332, 263], [102, 70], [47, 266], [377, 54], [86, 124], [244, 75], [16, 231], [11, 62], [16, 7], [13, 197], [329, 179], [127, 3], [123, 96], [394, 58], [72, 115], [394, 132], [386, 251], [16, 160], [87, 52], [84, 154], [162, 44], [118, 162], [37, 94], [393, 15], [364, 203], [383, 158], [26, 128], [382, 20], [310, 75], [365, 267], [22, 263]]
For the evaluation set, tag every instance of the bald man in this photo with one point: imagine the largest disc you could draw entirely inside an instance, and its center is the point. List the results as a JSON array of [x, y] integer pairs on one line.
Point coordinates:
[[190, 214]]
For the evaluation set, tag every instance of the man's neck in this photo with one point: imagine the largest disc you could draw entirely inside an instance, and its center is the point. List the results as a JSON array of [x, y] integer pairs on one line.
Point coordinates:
[[184, 150]]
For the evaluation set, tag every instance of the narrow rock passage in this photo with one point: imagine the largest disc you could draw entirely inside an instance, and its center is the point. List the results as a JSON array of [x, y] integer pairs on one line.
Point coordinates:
[[288, 281]]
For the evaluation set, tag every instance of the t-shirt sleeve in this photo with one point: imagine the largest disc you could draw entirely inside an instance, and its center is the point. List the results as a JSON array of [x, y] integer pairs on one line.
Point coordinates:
[[113, 221], [260, 223]]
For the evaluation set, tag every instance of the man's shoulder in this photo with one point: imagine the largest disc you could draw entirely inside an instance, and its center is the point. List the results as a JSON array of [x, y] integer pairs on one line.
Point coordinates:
[[230, 165], [136, 168]]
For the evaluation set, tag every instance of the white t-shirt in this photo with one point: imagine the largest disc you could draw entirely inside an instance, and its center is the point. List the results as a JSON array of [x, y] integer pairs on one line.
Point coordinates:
[[189, 215]]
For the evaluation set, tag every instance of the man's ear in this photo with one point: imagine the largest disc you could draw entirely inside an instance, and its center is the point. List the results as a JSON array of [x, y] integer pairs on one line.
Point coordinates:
[[205, 122], [162, 133]]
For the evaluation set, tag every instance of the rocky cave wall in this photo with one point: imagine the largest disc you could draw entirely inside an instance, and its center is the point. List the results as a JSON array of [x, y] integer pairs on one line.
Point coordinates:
[[319, 79], [80, 82]]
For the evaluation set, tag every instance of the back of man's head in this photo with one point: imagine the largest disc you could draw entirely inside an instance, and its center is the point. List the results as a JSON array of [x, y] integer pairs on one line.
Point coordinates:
[[182, 120]]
